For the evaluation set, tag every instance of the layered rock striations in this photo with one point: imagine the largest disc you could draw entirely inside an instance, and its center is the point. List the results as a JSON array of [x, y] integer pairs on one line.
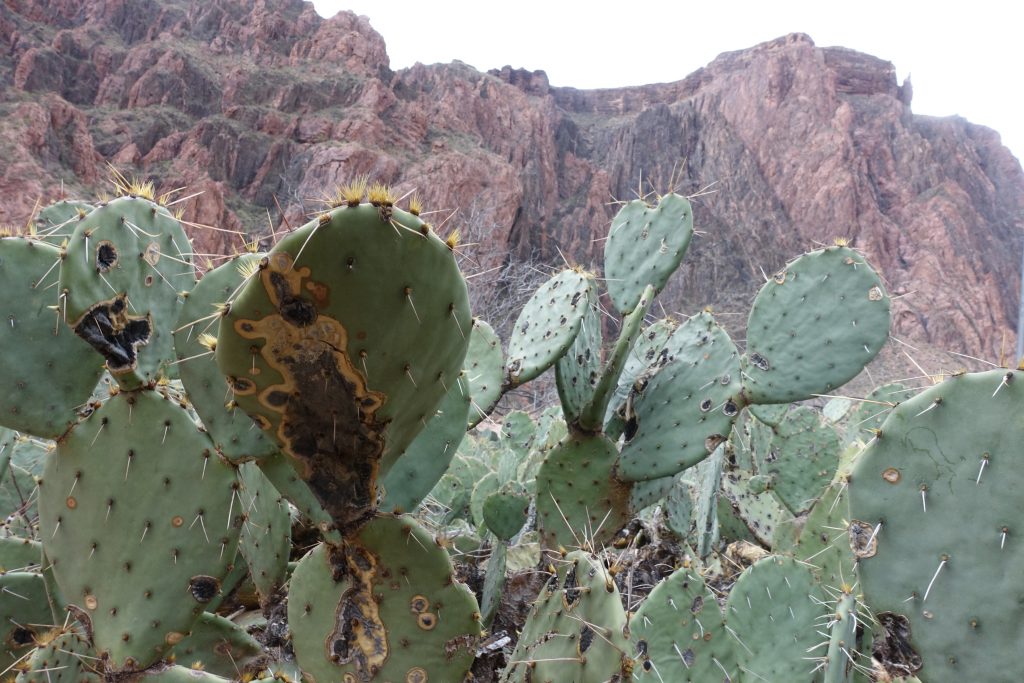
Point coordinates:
[[261, 105]]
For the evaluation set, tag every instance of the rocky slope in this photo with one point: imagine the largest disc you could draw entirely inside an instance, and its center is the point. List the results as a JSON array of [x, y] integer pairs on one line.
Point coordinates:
[[256, 104]]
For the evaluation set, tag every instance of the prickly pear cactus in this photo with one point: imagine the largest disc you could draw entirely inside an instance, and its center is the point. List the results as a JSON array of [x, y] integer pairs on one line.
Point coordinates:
[[46, 372], [679, 633], [125, 270], [577, 372], [427, 458], [25, 614], [547, 325], [776, 595], [802, 458], [383, 607], [814, 326], [485, 368], [64, 652], [934, 503], [265, 541], [195, 333], [575, 630], [140, 520], [685, 410], [56, 222], [645, 246], [579, 503], [344, 344]]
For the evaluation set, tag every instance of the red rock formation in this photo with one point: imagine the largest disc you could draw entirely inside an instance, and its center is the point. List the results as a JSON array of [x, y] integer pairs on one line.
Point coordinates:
[[260, 103]]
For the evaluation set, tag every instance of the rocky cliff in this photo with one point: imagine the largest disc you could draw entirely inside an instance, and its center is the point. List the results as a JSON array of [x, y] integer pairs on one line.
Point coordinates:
[[260, 104]]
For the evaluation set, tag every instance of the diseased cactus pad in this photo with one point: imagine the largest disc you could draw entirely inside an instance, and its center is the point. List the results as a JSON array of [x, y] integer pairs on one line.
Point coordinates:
[[384, 607], [344, 345]]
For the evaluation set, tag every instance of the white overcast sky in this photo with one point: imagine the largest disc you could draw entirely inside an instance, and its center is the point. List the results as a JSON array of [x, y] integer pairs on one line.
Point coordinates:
[[965, 58]]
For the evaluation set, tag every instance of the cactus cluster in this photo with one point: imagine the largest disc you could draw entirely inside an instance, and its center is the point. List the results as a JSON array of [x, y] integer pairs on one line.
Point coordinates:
[[306, 441]]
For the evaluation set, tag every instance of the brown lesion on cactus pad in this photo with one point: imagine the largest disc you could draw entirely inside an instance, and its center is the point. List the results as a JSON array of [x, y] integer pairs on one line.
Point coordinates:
[[359, 637], [863, 539], [892, 647], [109, 329], [325, 414]]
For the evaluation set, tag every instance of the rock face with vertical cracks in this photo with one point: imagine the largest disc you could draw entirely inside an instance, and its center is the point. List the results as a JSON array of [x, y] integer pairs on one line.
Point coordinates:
[[328, 419], [109, 329]]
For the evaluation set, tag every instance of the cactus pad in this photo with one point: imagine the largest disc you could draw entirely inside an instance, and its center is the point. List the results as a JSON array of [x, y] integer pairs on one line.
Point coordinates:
[[814, 326], [575, 630], [485, 367], [935, 499], [645, 246], [547, 325], [384, 607], [46, 372], [579, 503], [127, 265], [344, 345], [234, 432], [686, 408], [140, 519], [679, 633]]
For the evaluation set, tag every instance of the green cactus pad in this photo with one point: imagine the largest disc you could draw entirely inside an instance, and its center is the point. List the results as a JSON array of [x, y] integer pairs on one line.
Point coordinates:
[[266, 537], [219, 646], [46, 372], [345, 344], [19, 554], [866, 418], [505, 510], [283, 477], [760, 512], [679, 634], [385, 607], [686, 408], [579, 503], [125, 270], [593, 413], [802, 458], [56, 222], [770, 414], [483, 488], [575, 630], [578, 370], [824, 541], [24, 614], [238, 438], [485, 369], [645, 246], [547, 325], [18, 499], [140, 519], [679, 512], [494, 583], [814, 326], [641, 357], [838, 662], [934, 505], [29, 453], [772, 615], [707, 478], [65, 653], [427, 458]]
